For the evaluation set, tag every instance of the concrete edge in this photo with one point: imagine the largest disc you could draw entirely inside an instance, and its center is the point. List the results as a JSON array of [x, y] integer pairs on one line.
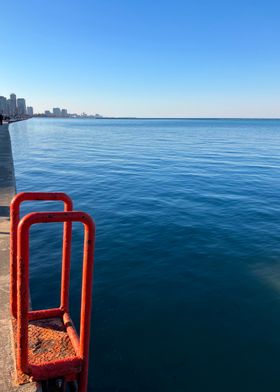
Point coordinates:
[[7, 191]]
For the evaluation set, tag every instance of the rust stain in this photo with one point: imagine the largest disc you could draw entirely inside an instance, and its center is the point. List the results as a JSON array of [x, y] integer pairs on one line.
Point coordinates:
[[21, 378], [48, 341]]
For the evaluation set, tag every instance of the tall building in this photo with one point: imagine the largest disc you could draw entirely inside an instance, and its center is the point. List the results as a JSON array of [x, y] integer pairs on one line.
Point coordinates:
[[21, 107], [56, 112], [3, 105], [64, 112], [13, 105], [29, 110], [9, 107]]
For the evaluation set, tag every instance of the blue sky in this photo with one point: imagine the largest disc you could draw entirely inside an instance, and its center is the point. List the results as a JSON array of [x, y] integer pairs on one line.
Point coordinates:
[[179, 58]]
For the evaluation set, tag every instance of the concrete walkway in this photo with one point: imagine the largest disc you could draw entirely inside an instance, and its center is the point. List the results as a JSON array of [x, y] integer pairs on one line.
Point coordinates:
[[7, 191]]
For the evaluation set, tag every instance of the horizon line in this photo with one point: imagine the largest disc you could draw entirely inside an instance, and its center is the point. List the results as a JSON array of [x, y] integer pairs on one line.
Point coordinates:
[[160, 118]]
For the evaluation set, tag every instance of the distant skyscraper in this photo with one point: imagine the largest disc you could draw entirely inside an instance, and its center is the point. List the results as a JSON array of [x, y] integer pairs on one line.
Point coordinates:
[[21, 106], [3, 105], [47, 113], [9, 107], [13, 105], [64, 112], [56, 112], [29, 110]]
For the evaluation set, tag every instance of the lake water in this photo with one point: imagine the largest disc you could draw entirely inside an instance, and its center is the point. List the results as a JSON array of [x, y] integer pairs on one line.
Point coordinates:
[[187, 262]]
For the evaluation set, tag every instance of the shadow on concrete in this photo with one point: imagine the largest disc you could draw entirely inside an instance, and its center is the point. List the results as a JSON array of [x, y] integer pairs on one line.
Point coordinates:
[[4, 211]]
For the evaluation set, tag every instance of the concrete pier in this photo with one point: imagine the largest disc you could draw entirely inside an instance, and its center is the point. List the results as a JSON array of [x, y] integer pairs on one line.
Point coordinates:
[[7, 191]]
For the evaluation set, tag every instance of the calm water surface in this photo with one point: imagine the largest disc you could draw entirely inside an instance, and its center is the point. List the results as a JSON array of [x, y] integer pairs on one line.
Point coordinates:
[[187, 272]]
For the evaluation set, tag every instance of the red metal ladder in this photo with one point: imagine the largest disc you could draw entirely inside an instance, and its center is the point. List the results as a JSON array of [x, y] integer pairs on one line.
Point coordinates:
[[67, 356]]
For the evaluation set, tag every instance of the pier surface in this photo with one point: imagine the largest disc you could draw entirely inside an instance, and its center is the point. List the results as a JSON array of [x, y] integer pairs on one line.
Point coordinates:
[[7, 191]]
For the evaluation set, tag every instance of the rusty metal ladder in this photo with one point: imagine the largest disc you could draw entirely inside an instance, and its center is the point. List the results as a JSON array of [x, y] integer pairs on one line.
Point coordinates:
[[67, 361]]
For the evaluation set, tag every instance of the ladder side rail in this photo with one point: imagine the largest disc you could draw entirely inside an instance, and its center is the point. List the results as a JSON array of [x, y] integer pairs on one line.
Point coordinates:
[[66, 250], [87, 281]]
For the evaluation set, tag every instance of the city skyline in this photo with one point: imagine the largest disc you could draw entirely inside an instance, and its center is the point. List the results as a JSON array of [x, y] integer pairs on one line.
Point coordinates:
[[146, 59], [14, 107], [58, 112]]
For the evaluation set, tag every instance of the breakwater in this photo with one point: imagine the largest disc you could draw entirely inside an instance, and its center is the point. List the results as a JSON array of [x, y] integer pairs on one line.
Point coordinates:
[[7, 191]]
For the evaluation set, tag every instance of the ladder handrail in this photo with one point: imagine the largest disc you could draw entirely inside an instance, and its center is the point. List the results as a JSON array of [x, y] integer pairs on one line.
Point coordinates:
[[23, 286], [66, 252]]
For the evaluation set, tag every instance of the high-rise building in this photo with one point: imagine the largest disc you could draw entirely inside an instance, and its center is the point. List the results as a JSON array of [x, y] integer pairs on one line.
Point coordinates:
[[56, 112], [9, 107], [64, 112], [29, 110], [47, 113], [21, 107], [13, 105], [3, 105]]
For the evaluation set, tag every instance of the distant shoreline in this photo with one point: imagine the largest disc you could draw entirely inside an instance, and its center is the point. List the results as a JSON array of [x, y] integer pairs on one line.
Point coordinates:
[[161, 118]]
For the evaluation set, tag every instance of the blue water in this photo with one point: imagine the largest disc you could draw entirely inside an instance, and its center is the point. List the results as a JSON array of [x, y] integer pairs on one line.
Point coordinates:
[[187, 261]]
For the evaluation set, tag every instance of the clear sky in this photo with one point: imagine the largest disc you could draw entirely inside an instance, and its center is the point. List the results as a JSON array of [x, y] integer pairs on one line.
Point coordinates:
[[153, 58]]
